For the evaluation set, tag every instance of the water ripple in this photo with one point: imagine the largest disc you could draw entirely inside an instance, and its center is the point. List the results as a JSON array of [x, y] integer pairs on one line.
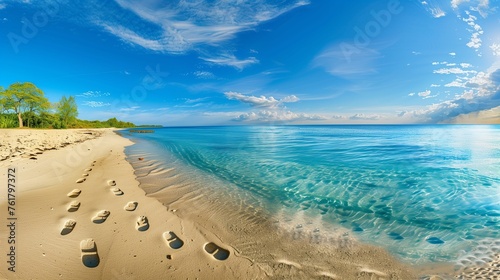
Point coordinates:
[[427, 193]]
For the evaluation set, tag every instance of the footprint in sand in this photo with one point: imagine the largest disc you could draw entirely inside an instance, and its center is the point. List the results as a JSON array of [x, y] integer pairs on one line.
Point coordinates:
[[130, 206], [81, 180], [73, 206], [74, 193], [90, 257], [117, 191], [111, 183], [173, 240], [69, 225], [142, 223], [367, 273], [217, 252], [101, 216], [85, 174], [87, 169]]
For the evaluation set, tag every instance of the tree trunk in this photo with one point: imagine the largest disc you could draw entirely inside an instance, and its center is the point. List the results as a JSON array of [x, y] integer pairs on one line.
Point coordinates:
[[20, 119]]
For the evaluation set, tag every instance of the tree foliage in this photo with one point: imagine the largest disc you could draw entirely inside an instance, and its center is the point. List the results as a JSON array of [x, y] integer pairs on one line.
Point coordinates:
[[24, 97], [24, 103], [113, 122], [3, 101], [67, 110]]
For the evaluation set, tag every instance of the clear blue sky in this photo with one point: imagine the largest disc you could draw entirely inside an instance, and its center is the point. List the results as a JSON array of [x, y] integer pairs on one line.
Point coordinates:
[[200, 62]]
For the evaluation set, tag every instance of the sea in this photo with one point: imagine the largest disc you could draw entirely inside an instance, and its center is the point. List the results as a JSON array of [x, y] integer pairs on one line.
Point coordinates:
[[426, 193]]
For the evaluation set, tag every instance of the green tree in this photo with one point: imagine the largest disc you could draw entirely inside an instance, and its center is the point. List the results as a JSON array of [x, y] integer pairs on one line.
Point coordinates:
[[25, 97], [67, 110], [113, 122], [48, 120], [3, 100]]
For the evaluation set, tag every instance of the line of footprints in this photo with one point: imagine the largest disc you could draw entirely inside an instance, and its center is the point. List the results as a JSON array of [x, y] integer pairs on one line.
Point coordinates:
[[88, 247]]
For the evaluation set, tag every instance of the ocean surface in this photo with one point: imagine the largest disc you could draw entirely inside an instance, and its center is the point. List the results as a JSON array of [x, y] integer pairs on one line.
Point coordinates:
[[425, 193]]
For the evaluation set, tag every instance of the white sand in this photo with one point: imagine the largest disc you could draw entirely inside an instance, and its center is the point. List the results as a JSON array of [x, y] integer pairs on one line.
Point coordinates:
[[44, 252], [102, 233]]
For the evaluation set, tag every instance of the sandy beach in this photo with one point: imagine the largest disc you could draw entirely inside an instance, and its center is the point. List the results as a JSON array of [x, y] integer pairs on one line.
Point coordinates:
[[80, 211]]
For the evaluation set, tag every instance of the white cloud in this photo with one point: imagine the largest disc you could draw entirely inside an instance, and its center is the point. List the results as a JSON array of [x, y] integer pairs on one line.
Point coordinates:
[[262, 101], [132, 37], [364, 117], [433, 9], [496, 49], [456, 3], [453, 54], [437, 12], [456, 83], [424, 94], [339, 117], [94, 94], [453, 70], [440, 63], [266, 116], [460, 72], [204, 75], [475, 41], [95, 104], [177, 27], [196, 100], [476, 30], [434, 85], [482, 5], [480, 80], [290, 99], [411, 94], [484, 96], [273, 110], [463, 77], [3, 6], [231, 60]]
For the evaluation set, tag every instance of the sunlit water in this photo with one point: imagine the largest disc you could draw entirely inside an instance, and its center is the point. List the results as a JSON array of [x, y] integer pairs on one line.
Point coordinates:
[[426, 193]]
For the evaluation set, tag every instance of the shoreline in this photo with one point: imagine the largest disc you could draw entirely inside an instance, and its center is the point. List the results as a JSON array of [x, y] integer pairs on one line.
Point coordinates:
[[273, 244], [211, 238], [44, 250]]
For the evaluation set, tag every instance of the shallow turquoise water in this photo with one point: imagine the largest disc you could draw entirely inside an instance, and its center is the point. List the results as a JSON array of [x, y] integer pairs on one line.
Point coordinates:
[[426, 193]]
